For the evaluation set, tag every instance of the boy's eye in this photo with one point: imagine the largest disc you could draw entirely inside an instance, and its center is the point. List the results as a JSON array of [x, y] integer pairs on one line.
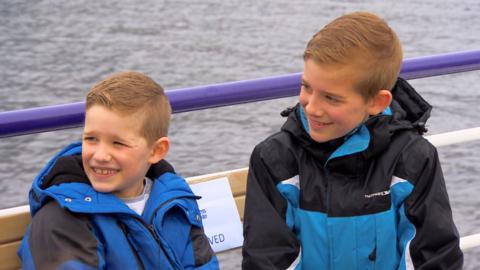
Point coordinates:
[[119, 143], [332, 99], [305, 87], [89, 139]]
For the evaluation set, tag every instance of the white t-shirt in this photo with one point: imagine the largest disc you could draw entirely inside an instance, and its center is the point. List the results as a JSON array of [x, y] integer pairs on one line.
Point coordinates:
[[137, 204]]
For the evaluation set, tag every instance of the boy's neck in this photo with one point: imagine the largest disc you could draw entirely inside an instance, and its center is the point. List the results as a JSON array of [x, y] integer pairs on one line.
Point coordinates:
[[139, 192]]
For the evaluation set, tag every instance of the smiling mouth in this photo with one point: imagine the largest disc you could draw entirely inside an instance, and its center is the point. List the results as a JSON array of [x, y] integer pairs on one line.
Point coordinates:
[[319, 124], [101, 171]]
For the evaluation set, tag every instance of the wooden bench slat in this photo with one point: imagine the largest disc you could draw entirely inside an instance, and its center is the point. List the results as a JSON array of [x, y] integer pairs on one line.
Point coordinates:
[[13, 226], [236, 178], [240, 201], [8, 256]]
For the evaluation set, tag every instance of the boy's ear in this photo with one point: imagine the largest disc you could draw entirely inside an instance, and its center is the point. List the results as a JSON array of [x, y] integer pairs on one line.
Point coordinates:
[[159, 150], [380, 102]]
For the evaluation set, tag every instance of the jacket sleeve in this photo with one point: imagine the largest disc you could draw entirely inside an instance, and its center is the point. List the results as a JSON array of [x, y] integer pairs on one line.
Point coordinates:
[[435, 244], [268, 241], [58, 239]]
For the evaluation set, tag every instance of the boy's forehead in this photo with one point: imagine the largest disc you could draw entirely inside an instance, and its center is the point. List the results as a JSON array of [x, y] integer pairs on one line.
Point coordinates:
[[99, 110], [332, 72], [99, 118]]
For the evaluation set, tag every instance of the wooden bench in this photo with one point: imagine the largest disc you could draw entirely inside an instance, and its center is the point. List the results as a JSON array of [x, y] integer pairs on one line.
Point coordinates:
[[13, 224], [14, 221]]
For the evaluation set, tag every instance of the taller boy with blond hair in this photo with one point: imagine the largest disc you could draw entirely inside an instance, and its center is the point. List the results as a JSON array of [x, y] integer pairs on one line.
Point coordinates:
[[349, 182], [111, 201]]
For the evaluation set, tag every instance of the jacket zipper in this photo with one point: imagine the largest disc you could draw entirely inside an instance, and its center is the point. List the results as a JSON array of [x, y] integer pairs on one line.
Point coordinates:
[[327, 205], [134, 251], [152, 231], [155, 236]]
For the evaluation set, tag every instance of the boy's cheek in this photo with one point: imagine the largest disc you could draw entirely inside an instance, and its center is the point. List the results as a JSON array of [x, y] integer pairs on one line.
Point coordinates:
[[302, 99]]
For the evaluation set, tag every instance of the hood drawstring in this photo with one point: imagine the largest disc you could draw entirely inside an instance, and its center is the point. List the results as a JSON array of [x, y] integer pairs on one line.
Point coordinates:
[[287, 111]]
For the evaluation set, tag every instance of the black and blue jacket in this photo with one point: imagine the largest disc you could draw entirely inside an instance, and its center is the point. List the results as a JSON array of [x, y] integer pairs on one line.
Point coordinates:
[[374, 199], [75, 227]]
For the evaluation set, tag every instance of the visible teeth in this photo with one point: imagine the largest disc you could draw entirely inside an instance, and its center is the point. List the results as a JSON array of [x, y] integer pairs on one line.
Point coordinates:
[[103, 171]]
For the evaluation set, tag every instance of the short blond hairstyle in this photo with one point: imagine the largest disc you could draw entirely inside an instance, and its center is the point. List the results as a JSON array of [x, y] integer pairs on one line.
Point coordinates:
[[132, 92], [364, 41]]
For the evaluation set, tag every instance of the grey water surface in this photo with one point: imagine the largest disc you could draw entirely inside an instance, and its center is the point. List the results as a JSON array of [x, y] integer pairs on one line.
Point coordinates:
[[52, 52]]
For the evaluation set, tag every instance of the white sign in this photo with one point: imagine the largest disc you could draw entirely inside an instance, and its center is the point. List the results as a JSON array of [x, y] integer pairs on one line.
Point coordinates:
[[219, 214]]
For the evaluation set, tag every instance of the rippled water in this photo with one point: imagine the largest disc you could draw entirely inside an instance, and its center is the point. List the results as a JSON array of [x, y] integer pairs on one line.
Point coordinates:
[[53, 51]]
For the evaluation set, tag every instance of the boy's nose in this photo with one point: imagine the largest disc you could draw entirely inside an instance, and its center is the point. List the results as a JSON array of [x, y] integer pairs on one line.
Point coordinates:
[[313, 107], [102, 155]]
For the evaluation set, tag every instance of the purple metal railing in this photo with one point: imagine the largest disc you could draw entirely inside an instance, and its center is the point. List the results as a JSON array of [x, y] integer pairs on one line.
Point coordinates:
[[34, 120]]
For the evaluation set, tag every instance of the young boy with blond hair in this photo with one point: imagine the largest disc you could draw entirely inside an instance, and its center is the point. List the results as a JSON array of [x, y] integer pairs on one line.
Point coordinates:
[[349, 182], [112, 201]]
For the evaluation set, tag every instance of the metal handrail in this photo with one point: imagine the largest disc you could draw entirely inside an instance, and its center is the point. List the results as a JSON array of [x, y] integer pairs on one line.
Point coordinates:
[[453, 137], [41, 119], [469, 241]]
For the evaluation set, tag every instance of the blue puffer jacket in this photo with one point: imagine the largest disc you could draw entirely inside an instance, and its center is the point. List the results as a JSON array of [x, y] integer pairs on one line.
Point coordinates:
[[75, 227]]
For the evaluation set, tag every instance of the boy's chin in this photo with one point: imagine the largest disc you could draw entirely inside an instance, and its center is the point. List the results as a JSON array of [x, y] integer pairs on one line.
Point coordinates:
[[327, 135], [102, 187], [322, 138]]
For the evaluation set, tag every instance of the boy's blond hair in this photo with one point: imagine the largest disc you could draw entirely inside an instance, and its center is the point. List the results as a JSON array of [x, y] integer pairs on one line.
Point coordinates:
[[133, 92], [363, 41]]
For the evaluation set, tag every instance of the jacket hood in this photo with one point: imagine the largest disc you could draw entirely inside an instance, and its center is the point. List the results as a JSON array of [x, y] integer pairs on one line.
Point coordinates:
[[409, 106], [408, 110], [64, 179]]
